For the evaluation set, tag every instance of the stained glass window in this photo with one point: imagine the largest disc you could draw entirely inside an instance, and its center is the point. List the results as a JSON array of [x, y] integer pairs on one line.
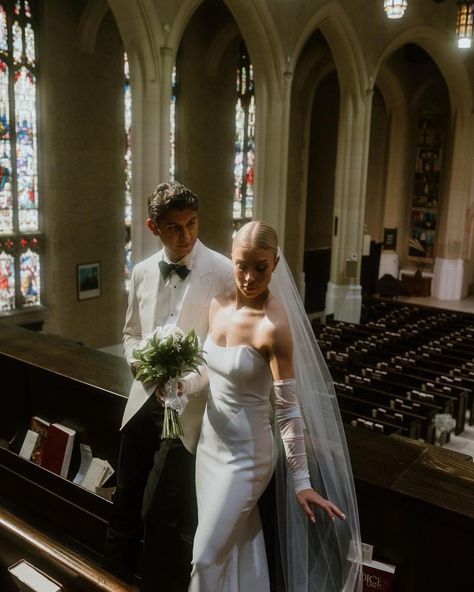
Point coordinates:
[[7, 275], [173, 125], [244, 163], [30, 272], [128, 173], [20, 237]]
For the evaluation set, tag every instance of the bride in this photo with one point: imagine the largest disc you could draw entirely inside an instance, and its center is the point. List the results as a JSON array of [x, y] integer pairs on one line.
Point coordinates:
[[253, 355]]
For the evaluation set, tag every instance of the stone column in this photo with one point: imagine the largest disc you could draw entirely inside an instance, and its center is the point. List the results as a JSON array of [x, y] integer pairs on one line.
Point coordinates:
[[449, 269], [397, 182], [344, 294], [272, 154]]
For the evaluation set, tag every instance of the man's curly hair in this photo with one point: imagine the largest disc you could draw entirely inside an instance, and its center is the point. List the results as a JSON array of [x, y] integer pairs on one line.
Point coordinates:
[[170, 196]]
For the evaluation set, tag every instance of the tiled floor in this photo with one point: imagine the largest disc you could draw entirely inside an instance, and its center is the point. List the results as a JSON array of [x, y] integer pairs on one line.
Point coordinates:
[[464, 442]]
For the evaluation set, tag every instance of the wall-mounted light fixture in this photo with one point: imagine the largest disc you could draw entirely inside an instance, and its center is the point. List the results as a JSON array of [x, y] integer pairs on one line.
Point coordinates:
[[464, 23], [395, 8]]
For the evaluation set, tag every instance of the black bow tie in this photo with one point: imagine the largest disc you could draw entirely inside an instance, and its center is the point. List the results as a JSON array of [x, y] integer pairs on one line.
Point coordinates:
[[166, 269]]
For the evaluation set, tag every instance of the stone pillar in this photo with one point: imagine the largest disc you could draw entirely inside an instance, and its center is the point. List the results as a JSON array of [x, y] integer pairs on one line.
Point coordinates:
[[448, 281], [398, 179], [272, 154], [142, 33], [344, 294]]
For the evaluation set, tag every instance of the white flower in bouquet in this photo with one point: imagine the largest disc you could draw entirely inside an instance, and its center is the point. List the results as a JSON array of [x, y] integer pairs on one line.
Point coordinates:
[[163, 357]]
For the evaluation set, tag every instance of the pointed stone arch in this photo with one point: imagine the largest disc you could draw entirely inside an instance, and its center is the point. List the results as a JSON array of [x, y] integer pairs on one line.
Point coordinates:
[[396, 178], [143, 38], [90, 22], [138, 24], [258, 31], [344, 295], [257, 28], [448, 62], [337, 29], [449, 265]]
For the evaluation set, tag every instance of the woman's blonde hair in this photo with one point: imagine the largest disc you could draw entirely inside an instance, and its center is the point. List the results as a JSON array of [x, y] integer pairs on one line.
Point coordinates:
[[256, 234]]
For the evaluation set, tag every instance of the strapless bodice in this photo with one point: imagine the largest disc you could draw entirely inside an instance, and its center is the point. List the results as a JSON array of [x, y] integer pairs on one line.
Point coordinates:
[[238, 374]]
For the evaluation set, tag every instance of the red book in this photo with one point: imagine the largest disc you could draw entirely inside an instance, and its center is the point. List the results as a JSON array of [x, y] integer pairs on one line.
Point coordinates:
[[378, 577], [58, 449]]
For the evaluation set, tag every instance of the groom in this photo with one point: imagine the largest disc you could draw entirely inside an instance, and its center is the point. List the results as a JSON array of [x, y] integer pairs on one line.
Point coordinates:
[[172, 287]]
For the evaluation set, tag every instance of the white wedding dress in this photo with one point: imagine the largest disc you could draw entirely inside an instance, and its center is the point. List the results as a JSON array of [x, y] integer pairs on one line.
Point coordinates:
[[235, 460], [236, 457]]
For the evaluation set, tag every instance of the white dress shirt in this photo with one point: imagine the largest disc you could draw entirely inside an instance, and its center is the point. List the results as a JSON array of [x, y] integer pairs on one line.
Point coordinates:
[[171, 292]]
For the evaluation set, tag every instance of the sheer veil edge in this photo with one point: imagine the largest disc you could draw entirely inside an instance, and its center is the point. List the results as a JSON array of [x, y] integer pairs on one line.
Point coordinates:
[[326, 557]]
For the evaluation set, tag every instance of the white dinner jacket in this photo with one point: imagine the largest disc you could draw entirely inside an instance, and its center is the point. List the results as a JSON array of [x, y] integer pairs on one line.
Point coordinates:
[[211, 275]]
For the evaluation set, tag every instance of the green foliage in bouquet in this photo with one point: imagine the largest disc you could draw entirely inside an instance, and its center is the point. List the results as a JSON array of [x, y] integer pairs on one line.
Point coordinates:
[[167, 354]]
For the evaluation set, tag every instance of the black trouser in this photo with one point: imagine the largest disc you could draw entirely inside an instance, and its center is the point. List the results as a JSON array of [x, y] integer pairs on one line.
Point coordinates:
[[157, 475]]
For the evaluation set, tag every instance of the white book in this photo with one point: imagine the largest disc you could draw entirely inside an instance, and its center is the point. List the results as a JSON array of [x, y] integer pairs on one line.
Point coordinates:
[[29, 444], [30, 579], [97, 474]]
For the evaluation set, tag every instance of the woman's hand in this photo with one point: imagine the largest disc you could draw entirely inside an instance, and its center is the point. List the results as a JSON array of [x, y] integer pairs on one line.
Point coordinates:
[[308, 498]]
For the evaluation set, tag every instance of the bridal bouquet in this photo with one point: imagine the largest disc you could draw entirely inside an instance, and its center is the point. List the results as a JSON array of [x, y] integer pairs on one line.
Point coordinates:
[[164, 357]]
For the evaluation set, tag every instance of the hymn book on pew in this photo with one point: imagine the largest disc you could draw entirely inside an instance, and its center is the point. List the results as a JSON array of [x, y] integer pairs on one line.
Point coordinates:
[[376, 575]]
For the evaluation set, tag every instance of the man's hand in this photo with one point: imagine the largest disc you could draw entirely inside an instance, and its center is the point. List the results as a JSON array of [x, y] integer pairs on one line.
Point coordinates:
[[308, 498], [134, 367]]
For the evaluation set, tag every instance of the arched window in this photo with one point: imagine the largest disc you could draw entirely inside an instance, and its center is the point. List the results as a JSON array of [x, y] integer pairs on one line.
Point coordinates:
[[244, 164], [127, 97], [20, 239]]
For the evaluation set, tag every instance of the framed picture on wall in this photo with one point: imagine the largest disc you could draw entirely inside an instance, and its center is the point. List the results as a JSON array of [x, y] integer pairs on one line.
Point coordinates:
[[88, 280]]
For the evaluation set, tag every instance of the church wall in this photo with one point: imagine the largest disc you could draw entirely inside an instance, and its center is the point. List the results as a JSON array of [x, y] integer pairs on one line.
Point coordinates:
[[322, 164], [82, 179], [205, 123]]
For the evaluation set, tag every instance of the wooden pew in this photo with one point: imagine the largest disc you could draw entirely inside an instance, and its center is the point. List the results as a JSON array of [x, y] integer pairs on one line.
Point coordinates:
[[71, 570], [60, 381], [418, 419], [450, 399], [412, 497]]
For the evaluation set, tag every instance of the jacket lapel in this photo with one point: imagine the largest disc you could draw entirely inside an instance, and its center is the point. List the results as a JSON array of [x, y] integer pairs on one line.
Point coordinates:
[[150, 292], [194, 308]]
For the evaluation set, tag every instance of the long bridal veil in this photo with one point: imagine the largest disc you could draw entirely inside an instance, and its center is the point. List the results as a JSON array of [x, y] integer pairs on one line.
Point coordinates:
[[325, 557]]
